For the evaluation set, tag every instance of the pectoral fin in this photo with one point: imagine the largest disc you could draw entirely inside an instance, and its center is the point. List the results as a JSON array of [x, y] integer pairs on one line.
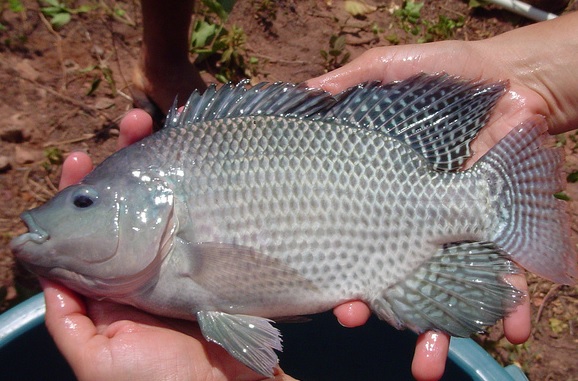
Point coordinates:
[[232, 272], [249, 339]]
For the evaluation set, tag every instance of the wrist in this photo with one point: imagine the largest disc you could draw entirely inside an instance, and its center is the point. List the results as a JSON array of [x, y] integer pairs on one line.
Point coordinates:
[[542, 57]]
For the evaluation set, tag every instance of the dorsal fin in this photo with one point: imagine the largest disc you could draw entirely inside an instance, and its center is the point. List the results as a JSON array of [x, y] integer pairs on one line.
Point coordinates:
[[437, 115], [279, 99]]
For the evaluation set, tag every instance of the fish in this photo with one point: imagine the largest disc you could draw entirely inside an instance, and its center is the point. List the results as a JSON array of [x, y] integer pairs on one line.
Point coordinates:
[[255, 204]]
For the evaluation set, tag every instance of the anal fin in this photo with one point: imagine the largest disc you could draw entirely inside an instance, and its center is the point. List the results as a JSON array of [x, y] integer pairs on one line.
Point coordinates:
[[460, 290], [250, 339]]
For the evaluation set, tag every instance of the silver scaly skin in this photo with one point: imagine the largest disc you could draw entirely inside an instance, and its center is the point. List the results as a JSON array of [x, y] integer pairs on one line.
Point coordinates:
[[342, 210], [280, 201]]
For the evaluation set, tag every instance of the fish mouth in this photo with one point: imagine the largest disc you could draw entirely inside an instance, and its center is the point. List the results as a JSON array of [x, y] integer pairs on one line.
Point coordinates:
[[35, 233]]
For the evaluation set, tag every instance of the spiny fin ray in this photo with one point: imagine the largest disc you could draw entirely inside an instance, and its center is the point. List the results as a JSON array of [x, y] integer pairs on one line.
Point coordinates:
[[230, 101], [437, 115]]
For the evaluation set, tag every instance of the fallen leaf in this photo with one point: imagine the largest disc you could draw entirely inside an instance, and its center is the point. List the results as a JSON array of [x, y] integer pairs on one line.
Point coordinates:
[[358, 8]]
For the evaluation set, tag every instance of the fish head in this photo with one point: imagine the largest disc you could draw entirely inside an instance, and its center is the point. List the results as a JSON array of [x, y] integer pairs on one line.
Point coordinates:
[[104, 237]]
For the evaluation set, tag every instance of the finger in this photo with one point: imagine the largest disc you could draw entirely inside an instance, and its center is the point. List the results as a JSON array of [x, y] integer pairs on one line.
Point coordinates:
[[133, 127], [75, 167], [66, 319], [431, 352], [395, 63], [518, 325], [282, 376], [112, 319], [352, 314]]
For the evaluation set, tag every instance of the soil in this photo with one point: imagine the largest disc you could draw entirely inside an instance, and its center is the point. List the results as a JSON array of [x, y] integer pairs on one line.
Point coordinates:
[[64, 89]]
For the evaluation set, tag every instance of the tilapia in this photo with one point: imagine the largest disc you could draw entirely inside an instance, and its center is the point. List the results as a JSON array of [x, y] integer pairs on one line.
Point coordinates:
[[279, 200]]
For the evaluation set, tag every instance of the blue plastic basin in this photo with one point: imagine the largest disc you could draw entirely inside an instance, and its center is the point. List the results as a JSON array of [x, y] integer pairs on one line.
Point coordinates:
[[318, 350]]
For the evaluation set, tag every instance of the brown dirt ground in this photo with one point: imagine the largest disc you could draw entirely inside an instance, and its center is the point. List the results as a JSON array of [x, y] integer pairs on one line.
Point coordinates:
[[45, 75]]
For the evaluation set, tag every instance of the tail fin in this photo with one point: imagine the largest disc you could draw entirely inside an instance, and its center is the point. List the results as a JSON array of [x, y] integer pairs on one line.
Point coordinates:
[[534, 227]]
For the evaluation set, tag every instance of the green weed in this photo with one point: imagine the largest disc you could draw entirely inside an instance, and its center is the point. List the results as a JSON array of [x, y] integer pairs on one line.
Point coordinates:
[[476, 3], [218, 46], [506, 353], [409, 18], [54, 155], [60, 14], [444, 29], [16, 6], [393, 39], [560, 140], [232, 61], [54, 158], [572, 177], [359, 9], [336, 56], [562, 196], [376, 29], [574, 139], [117, 12], [557, 326], [265, 12], [100, 72]]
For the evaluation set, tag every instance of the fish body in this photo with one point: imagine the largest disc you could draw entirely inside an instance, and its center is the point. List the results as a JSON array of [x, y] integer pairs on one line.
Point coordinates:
[[277, 201]]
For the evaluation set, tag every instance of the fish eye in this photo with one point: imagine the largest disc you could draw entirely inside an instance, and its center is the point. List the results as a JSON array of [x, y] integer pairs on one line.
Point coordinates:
[[84, 197], [82, 201]]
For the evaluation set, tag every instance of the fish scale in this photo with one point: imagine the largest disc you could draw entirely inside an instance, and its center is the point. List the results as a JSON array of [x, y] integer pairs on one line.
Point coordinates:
[[279, 201], [233, 205]]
